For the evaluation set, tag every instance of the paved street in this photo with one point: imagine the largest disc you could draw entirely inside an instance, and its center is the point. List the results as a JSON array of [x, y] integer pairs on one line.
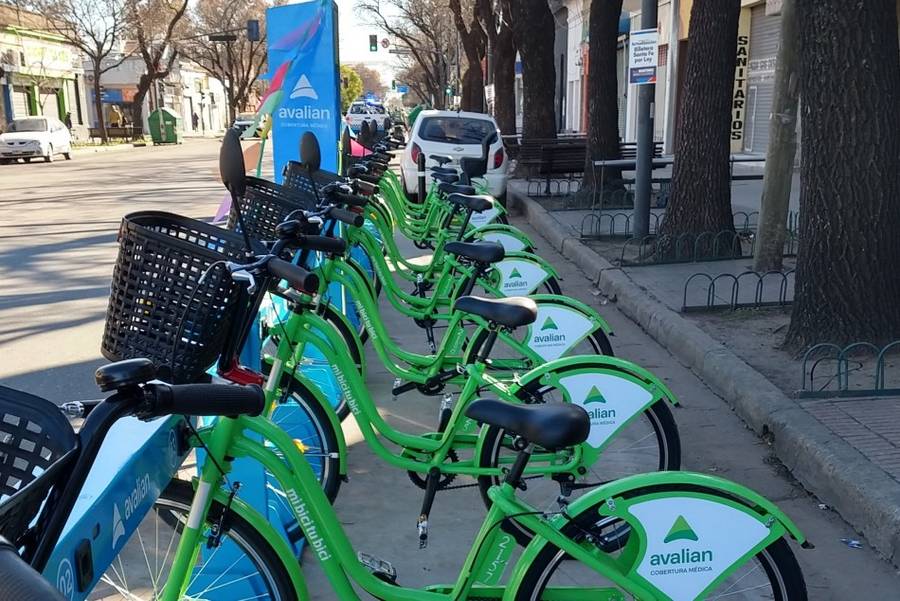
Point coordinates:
[[57, 246]]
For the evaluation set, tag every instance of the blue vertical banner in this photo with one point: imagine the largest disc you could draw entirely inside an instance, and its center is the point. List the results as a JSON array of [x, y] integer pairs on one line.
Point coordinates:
[[305, 80]]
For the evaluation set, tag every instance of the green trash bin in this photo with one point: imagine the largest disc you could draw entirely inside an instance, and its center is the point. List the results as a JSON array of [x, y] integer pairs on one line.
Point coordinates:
[[165, 126]]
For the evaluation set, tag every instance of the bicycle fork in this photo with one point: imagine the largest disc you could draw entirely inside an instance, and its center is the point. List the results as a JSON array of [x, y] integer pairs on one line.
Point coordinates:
[[188, 549]]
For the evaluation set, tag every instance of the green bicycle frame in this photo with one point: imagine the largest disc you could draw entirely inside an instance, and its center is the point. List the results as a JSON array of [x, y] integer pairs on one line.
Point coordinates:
[[489, 556]]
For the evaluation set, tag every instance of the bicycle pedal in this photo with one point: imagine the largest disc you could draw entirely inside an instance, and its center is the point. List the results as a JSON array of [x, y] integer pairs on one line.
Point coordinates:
[[380, 568]]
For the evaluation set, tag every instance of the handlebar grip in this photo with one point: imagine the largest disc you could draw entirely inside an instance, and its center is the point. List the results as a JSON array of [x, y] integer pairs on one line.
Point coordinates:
[[334, 246], [297, 277], [345, 216], [369, 179], [351, 200], [364, 188], [205, 399]]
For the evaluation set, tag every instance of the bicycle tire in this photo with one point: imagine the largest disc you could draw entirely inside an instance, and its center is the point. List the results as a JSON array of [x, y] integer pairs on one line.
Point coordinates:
[[777, 560], [658, 415], [171, 509]]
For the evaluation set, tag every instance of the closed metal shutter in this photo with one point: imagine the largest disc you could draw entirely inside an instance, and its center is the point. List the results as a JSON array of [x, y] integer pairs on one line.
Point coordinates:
[[765, 32], [19, 102], [49, 102]]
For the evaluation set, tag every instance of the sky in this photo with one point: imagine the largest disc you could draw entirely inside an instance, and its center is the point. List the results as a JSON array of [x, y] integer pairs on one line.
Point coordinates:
[[354, 42]]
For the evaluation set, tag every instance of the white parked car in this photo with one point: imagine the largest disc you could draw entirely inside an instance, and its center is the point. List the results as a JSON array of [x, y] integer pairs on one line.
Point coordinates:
[[360, 111], [457, 135], [32, 137]]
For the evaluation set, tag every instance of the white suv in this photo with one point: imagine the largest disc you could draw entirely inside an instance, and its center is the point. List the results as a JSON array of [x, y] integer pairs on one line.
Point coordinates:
[[456, 135], [358, 112]]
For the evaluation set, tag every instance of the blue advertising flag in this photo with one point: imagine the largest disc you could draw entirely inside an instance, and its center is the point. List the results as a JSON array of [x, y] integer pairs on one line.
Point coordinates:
[[302, 47]]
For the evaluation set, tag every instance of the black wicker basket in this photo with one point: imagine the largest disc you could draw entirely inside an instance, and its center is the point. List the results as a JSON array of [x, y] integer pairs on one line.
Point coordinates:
[[264, 206], [157, 306], [36, 444]]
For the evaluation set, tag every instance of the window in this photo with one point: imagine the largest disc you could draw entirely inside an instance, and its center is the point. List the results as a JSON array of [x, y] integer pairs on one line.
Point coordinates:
[[377, 109], [357, 109], [21, 125], [455, 130]]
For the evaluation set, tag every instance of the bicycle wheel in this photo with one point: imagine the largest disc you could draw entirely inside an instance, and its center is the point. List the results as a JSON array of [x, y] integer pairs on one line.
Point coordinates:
[[648, 443], [243, 566], [310, 425], [772, 574]]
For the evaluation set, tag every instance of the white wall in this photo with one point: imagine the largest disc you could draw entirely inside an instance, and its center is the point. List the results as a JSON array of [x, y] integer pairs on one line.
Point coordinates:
[[574, 70]]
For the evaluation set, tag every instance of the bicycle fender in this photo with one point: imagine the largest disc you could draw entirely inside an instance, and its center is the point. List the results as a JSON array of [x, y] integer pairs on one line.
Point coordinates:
[[603, 362], [521, 273], [683, 519], [576, 304], [497, 232], [279, 545]]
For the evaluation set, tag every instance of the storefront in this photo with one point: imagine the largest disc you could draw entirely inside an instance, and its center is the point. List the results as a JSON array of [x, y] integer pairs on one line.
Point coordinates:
[[764, 36]]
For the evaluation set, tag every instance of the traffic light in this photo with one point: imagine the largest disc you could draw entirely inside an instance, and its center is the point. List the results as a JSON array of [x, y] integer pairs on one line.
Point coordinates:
[[373, 43], [393, 84]]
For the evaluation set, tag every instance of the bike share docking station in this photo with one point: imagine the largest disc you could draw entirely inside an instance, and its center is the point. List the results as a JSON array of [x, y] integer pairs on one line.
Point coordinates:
[[138, 459]]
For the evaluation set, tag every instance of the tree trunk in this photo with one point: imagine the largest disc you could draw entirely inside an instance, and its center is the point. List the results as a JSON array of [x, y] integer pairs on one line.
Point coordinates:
[[137, 107], [701, 181], [473, 89], [602, 93], [98, 105], [847, 286], [505, 81], [534, 30], [776, 196]]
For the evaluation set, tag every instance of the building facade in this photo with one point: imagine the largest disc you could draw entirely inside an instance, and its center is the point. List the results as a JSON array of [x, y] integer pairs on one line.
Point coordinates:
[[40, 73], [187, 90]]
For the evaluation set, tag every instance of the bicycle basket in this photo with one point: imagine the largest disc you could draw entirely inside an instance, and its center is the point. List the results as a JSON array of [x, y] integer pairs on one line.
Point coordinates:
[[158, 308], [36, 443], [297, 178], [264, 206]]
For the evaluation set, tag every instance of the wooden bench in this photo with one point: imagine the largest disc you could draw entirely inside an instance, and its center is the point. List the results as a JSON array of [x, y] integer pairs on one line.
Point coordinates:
[[120, 133]]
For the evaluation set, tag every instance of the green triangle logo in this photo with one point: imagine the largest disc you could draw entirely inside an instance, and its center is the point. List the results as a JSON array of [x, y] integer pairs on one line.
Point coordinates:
[[549, 325], [594, 396], [515, 274], [680, 530]]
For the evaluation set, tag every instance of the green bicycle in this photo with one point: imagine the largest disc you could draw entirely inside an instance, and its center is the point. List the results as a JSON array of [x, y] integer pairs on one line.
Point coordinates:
[[691, 536]]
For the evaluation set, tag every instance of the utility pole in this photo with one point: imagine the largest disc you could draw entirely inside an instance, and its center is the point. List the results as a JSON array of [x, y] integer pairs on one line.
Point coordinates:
[[776, 194], [644, 171]]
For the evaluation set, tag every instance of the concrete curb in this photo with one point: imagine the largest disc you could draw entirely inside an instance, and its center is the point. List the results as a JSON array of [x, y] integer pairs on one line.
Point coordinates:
[[835, 472]]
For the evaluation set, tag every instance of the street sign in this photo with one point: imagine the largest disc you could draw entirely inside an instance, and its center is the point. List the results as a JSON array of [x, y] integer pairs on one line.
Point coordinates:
[[642, 56], [402, 89], [385, 42], [489, 92], [403, 51]]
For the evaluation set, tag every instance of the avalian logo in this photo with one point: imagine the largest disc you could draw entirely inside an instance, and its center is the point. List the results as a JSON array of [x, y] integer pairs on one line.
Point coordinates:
[[681, 530], [304, 89], [118, 526], [514, 274], [595, 396], [549, 325]]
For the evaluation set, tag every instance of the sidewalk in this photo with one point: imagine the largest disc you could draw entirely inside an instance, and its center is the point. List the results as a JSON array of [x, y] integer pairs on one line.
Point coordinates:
[[847, 452]]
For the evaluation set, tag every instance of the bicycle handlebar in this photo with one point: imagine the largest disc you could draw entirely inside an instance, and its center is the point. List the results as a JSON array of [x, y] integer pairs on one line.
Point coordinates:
[[20, 581], [201, 400], [363, 187], [349, 199], [345, 216], [333, 246], [297, 277]]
